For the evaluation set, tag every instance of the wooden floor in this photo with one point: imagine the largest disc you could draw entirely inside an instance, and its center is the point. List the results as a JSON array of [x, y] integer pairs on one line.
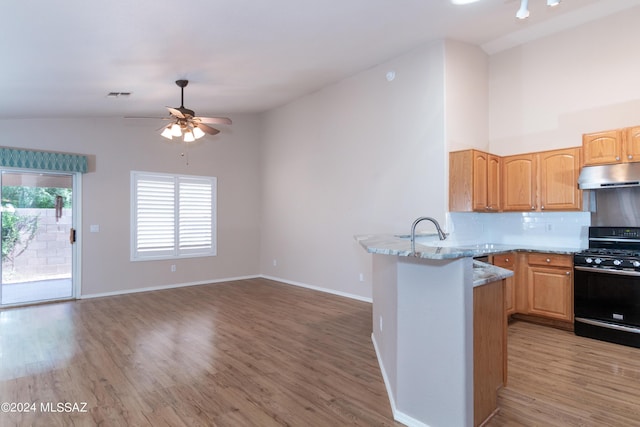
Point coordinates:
[[559, 379], [246, 353], [260, 353]]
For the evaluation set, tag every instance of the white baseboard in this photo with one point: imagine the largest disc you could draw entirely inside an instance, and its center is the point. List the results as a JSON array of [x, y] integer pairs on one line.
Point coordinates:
[[317, 288], [399, 416], [227, 279], [159, 288]]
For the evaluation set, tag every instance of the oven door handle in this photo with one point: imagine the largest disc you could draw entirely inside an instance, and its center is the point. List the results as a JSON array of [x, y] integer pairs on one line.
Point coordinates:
[[603, 239], [608, 271], [608, 325]]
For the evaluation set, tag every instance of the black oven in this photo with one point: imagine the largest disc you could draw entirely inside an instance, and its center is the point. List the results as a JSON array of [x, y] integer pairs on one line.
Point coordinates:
[[607, 286]]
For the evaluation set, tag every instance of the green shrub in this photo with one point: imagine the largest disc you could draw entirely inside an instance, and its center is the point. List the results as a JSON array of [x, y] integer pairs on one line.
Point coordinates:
[[17, 232]]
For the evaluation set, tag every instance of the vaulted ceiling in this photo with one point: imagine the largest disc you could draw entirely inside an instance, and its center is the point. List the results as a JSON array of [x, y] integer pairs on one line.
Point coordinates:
[[63, 58]]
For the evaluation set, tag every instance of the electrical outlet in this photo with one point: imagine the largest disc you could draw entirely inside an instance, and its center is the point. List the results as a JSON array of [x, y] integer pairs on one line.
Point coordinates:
[[275, 262], [361, 277], [380, 323], [173, 268]]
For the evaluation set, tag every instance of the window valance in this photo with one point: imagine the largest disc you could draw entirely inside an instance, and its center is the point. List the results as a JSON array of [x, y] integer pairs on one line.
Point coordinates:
[[43, 160]]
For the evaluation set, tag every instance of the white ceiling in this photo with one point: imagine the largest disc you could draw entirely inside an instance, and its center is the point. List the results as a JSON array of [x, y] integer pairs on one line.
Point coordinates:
[[62, 58]]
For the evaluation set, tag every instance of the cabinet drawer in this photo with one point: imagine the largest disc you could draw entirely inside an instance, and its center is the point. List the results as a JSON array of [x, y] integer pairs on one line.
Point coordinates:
[[551, 259], [505, 260]]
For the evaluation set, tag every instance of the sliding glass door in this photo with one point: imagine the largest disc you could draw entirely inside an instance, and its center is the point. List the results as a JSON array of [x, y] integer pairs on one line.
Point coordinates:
[[37, 237]]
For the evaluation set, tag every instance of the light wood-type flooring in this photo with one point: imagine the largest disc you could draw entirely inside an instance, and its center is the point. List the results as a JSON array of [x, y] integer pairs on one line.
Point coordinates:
[[260, 353]]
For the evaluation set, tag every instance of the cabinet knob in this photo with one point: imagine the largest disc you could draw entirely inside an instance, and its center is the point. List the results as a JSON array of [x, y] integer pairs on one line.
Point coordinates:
[[568, 273], [548, 260], [617, 158], [630, 157], [533, 208], [506, 260], [541, 207]]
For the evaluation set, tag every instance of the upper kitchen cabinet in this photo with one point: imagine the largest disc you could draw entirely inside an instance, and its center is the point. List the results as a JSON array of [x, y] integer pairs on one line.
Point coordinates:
[[543, 181], [519, 182], [613, 146], [559, 170], [602, 147], [474, 181], [631, 144]]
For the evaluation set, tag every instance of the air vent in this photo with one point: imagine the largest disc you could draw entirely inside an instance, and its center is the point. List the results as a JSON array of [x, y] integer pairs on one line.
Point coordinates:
[[118, 94]]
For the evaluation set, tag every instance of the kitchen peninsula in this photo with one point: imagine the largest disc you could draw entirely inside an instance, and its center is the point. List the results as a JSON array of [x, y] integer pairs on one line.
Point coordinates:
[[423, 329]]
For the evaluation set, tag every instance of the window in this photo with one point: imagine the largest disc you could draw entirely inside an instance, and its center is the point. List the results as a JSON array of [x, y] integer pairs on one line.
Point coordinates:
[[172, 216]]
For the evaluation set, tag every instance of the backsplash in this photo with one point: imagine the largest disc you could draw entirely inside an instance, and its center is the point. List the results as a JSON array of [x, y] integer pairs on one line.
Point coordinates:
[[551, 229]]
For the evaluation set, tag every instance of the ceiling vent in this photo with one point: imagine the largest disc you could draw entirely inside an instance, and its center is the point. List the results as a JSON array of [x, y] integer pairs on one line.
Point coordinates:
[[118, 94]]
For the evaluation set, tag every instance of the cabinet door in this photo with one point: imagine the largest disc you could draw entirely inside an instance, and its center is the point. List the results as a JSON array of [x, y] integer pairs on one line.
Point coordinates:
[[518, 183], [480, 165], [507, 261], [559, 170], [550, 292], [632, 144], [602, 147], [461, 181], [494, 165]]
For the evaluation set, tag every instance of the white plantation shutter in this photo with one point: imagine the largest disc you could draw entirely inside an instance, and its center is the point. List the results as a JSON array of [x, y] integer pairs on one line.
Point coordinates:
[[195, 219], [172, 216], [154, 215]]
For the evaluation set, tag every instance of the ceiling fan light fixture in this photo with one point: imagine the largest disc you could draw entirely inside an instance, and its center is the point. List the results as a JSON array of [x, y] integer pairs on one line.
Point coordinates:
[[523, 12], [167, 133], [198, 133], [188, 136], [553, 3], [176, 130]]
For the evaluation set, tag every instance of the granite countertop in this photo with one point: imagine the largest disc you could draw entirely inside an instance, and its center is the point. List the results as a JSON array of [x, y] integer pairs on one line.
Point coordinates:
[[429, 247], [432, 248], [484, 273]]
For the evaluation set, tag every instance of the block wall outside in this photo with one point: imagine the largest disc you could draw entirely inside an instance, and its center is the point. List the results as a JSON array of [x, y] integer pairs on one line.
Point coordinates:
[[48, 255]]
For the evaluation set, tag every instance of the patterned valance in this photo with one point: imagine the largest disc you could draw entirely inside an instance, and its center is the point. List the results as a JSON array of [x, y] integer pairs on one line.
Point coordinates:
[[43, 160]]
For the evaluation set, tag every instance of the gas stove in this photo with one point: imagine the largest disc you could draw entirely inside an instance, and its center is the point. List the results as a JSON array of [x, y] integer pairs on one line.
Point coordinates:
[[617, 259], [616, 248], [607, 286]]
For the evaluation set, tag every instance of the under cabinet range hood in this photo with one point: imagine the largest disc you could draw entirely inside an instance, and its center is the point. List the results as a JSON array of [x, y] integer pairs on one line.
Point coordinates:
[[609, 176]]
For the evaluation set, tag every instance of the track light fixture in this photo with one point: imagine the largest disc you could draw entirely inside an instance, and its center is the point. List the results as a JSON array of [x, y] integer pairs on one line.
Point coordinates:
[[523, 12]]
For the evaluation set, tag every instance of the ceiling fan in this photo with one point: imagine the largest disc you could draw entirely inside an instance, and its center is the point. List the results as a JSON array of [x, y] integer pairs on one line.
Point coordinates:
[[186, 125]]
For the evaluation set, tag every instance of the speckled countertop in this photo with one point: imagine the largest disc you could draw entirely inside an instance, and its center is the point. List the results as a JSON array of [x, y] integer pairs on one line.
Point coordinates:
[[484, 273], [429, 247]]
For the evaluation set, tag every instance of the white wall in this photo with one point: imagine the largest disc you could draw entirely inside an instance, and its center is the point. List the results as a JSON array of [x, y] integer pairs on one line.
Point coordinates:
[[466, 96], [364, 155], [116, 146], [361, 156], [547, 93]]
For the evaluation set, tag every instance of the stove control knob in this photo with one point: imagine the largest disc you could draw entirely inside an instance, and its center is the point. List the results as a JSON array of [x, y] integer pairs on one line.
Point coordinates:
[[636, 263], [617, 262], [598, 261], [589, 260]]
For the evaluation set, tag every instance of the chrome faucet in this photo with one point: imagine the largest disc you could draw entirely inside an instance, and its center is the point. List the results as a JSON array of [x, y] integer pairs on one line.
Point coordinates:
[[441, 233]]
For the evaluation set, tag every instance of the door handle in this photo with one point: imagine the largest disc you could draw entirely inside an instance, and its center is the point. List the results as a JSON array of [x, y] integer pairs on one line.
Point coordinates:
[[72, 236]]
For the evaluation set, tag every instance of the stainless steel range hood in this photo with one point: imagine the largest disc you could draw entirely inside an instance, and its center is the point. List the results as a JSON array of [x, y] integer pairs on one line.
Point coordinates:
[[609, 176]]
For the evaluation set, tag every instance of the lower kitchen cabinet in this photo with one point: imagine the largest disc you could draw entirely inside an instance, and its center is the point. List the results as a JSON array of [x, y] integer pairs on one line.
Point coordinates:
[[550, 286], [508, 261], [541, 289]]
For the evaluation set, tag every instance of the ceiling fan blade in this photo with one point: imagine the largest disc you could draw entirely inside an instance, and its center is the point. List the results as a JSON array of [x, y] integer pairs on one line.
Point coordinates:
[[146, 117], [176, 112], [208, 129], [215, 120]]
